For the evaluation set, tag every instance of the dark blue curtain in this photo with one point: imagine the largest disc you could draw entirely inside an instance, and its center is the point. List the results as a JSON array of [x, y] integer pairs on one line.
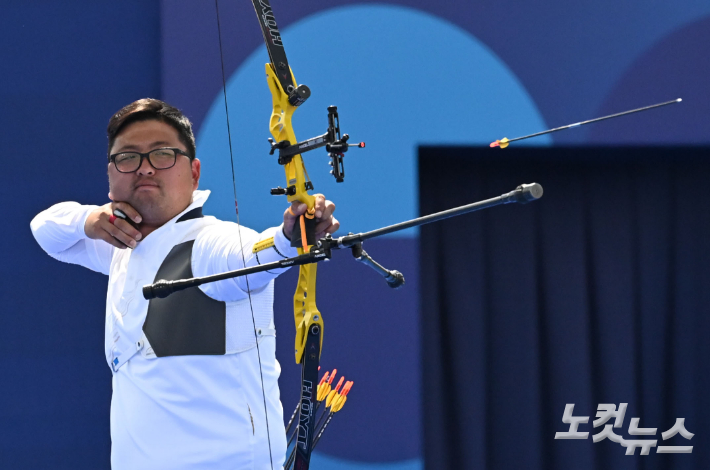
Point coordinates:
[[597, 293], [66, 68]]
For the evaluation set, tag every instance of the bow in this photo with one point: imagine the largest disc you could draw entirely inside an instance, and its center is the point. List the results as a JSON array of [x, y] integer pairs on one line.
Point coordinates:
[[309, 322], [286, 98]]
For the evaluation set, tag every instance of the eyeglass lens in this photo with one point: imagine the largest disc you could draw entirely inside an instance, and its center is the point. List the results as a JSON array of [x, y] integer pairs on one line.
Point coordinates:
[[130, 161]]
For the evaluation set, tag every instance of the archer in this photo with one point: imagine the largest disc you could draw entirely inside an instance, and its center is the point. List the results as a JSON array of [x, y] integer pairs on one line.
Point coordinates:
[[191, 386]]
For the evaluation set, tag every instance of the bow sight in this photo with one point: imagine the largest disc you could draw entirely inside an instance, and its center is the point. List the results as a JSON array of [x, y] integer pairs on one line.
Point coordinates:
[[335, 145]]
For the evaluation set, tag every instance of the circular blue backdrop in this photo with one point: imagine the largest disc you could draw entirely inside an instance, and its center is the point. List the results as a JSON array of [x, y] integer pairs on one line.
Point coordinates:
[[401, 78]]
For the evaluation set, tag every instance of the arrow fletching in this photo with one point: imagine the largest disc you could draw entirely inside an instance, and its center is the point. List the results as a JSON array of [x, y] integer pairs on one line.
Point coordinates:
[[334, 393], [338, 405], [502, 143]]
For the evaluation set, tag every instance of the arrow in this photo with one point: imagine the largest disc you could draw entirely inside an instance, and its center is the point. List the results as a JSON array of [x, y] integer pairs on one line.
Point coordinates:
[[504, 142], [337, 406]]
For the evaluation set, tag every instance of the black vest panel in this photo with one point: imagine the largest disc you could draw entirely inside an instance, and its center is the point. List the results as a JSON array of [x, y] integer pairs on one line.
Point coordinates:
[[187, 322]]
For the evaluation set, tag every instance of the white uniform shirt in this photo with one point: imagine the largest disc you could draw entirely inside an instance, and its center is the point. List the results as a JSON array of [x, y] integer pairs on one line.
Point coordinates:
[[184, 412]]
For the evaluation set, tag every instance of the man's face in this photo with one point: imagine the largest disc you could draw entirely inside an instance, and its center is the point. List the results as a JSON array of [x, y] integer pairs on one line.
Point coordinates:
[[157, 195]]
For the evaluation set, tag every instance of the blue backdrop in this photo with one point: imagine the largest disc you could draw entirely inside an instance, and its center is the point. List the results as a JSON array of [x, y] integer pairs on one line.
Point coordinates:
[[403, 74]]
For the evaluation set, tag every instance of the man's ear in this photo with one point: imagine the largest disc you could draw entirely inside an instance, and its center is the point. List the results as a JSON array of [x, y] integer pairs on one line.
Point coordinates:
[[196, 167]]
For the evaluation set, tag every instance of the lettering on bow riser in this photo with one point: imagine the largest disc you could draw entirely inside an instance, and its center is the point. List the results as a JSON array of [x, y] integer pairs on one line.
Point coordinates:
[[270, 22], [305, 415]]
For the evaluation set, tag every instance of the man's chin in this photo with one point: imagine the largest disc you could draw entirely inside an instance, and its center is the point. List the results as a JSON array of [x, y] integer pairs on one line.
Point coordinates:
[[148, 205]]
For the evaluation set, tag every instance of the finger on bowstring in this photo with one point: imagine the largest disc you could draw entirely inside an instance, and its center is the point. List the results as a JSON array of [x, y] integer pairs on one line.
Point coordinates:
[[127, 209], [120, 235], [128, 229]]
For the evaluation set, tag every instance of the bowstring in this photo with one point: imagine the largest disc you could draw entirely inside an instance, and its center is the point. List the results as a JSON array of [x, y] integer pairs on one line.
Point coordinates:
[[239, 231]]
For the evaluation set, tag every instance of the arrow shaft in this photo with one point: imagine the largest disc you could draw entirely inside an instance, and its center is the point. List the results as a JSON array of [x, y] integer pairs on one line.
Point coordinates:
[[603, 118]]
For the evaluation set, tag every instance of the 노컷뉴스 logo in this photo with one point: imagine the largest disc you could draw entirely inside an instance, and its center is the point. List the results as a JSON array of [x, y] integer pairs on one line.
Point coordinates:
[[606, 411]]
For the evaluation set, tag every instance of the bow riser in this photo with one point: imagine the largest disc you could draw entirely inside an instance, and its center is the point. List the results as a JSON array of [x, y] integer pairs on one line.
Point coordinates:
[[282, 129], [306, 313]]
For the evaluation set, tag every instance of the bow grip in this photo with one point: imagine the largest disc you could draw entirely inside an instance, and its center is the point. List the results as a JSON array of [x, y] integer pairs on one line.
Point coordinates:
[[297, 234]]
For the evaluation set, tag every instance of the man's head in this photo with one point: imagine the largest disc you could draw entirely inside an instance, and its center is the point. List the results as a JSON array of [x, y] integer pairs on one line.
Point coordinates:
[[156, 192]]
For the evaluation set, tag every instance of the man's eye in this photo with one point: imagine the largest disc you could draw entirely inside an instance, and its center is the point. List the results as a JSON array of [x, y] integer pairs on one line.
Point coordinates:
[[126, 157]]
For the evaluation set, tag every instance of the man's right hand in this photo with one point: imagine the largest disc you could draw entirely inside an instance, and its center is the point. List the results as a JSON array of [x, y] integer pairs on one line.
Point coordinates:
[[120, 233]]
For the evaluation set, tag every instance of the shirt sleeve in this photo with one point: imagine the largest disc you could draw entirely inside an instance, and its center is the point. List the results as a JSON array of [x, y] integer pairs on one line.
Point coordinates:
[[218, 248], [59, 230]]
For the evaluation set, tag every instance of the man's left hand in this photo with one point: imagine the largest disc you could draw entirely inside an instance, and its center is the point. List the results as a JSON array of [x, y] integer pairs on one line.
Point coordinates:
[[325, 222]]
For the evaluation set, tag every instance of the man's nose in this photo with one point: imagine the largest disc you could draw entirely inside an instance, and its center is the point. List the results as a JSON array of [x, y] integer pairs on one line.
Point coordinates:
[[146, 168]]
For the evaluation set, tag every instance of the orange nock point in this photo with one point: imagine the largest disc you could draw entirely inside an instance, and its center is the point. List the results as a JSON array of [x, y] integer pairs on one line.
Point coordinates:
[[332, 376], [322, 381]]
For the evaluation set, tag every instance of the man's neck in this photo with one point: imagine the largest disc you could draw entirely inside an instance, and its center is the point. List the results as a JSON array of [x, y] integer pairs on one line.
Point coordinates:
[[150, 224]]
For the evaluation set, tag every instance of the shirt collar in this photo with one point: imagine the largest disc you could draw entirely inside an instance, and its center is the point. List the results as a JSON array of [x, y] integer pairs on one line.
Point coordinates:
[[199, 197]]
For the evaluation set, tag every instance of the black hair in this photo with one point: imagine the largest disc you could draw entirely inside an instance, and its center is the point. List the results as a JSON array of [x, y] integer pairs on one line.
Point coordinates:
[[147, 109]]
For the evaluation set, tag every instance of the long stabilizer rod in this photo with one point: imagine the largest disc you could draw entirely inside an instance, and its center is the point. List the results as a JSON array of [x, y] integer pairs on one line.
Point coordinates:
[[522, 194]]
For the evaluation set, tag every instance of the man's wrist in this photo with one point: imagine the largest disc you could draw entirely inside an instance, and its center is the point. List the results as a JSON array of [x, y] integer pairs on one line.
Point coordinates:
[[89, 210], [282, 244]]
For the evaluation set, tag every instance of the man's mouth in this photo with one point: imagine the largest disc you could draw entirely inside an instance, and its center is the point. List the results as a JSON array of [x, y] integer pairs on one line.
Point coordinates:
[[146, 184]]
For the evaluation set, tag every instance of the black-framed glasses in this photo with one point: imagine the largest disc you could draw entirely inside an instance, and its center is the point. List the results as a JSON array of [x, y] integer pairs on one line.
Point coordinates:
[[160, 159]]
